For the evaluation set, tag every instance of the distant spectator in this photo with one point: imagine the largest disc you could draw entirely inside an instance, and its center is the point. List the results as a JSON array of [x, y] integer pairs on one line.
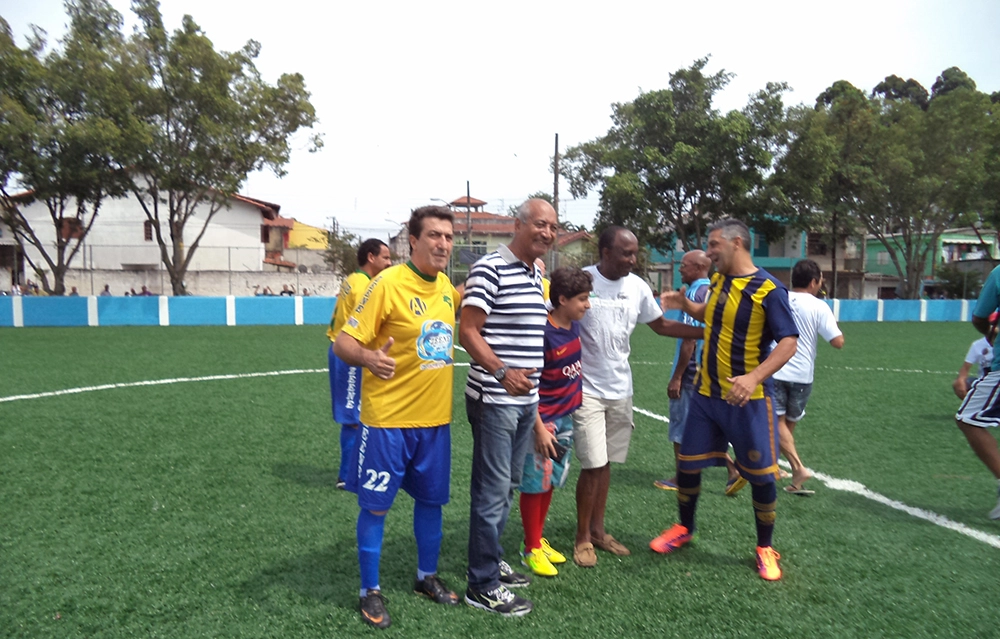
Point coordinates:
[[106, 292], [287, 291], [73, 292], [305, 292], [145, 292], [131, 292], [16, 289]]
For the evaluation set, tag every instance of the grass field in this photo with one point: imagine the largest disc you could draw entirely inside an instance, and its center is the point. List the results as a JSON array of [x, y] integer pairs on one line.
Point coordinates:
[[208, 508]]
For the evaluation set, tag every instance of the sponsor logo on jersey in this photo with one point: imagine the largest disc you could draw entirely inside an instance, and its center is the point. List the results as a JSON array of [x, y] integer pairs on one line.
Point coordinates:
[[417, 306], [435, 344]]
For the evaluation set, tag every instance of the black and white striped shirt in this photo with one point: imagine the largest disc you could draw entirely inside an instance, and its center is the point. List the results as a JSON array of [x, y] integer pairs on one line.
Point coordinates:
[[510, 292]]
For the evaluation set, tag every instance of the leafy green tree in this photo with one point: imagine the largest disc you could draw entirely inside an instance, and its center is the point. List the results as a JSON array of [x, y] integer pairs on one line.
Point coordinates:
[[900, 165], [341, 251], [538, 195], [671, 163], [65, 123], [958, 284], [211, 121]]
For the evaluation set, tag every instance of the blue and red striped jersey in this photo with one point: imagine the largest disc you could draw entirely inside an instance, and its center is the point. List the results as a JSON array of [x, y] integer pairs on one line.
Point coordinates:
[[560, 391]]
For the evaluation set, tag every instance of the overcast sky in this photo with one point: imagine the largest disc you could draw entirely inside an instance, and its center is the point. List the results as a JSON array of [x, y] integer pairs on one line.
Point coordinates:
[[415, 98]]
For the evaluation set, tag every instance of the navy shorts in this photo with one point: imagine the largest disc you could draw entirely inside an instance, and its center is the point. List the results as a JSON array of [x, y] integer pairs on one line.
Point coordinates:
[[712, 424], [345, 390], [418, 460], [790, 399]]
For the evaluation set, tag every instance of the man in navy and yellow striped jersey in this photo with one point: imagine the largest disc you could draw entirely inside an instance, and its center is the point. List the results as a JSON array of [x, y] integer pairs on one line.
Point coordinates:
[[746, 310]]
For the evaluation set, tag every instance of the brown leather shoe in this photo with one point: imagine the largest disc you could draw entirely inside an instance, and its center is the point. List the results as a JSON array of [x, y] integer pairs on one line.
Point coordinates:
[[612, 545], [584, 556]]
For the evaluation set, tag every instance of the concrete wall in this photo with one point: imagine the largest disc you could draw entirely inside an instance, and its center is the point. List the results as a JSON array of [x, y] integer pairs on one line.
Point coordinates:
[[203, 283]]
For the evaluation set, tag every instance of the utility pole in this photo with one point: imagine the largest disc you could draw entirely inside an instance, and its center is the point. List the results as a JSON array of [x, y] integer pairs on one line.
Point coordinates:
[[555, 201], [468, 216]]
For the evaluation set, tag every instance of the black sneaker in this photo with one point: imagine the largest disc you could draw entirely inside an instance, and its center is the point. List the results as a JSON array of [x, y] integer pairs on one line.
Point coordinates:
[[373, 610], [341, 484], [432, 586], [499, 600], [512, 579]]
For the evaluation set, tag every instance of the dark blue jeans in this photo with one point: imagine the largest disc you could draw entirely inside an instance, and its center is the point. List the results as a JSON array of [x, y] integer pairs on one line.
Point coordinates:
[[501, 435]]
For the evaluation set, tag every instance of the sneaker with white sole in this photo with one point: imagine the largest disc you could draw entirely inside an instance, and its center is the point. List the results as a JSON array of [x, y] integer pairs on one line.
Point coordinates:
[[499, 600], [512, 579]]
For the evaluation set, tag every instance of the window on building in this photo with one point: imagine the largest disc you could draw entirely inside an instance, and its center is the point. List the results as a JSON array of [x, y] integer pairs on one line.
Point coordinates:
[[147, 230], [265, 234], [816, 245], [882, 258], [71, 229]]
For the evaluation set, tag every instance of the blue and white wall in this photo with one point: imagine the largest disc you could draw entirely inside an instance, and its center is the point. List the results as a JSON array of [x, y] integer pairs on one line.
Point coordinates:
[[247, 311], [164, 311]]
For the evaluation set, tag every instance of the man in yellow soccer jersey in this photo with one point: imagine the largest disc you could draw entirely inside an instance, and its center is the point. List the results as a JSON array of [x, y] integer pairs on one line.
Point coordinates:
[[402, 333], [345, 380]]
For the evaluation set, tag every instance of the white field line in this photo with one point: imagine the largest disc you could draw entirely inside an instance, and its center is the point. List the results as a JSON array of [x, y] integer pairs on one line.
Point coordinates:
[[162, 382], [831, 482], [872, 369], [857, 488]]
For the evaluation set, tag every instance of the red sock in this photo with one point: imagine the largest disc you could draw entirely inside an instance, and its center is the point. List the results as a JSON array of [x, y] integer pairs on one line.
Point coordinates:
[[534, 509]]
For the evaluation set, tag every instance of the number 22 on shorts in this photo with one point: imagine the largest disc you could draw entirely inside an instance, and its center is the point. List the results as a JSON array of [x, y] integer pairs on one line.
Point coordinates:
[[377, 481]]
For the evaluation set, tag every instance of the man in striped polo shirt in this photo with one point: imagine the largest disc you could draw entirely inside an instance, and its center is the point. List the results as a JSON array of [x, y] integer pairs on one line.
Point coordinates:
[[502, 328]]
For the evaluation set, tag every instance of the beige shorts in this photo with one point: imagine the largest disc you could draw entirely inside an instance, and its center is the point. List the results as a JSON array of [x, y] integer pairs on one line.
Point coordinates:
[[602, 430]]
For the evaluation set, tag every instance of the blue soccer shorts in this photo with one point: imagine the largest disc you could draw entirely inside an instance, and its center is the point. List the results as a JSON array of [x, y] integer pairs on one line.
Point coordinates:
[[345, 390], [418, 460], [712, 424]]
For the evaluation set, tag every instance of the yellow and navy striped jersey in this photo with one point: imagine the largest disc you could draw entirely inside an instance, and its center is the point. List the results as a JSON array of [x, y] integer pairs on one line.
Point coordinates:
[[743, 315], [419, 314], [351, 290]]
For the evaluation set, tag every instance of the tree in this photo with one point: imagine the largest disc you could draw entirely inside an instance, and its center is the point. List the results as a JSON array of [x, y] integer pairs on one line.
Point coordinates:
[[341, 251], [65, 124], [671, 164], [900, 165], [538, 195], [211, 120], [958, 284]]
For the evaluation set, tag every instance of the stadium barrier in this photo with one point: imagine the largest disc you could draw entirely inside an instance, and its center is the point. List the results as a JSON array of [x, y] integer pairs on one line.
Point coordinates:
[[255, 311]]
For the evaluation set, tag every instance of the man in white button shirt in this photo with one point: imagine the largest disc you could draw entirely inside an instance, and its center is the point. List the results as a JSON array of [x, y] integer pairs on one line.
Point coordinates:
[[793, 383]]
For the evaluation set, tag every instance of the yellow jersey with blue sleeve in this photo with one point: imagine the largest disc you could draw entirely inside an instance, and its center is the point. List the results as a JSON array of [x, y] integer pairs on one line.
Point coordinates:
[[743, 315], [351, 290], [418, 312]]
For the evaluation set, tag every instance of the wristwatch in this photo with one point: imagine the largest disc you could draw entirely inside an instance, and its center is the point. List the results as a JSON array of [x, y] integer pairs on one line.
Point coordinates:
[[500, 373]]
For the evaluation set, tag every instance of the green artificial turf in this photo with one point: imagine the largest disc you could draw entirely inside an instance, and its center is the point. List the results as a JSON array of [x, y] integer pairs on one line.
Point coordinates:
[[208, 508]]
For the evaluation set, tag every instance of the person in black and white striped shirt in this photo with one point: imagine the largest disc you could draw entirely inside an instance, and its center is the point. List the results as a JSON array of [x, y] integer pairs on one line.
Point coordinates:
[[502, 328]]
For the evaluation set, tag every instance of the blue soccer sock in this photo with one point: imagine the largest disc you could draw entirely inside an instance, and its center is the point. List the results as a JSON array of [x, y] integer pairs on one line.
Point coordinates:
[[427, 530], [765, 500], [688, 489], [370, 530], [348, 435]]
